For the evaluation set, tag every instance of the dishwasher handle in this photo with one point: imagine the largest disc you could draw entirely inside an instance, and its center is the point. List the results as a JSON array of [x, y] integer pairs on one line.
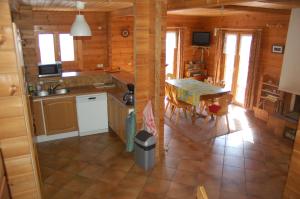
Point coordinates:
[[92, 98]]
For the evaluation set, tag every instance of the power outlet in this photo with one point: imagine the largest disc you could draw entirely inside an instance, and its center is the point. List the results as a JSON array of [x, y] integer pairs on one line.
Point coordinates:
[[100, 65]]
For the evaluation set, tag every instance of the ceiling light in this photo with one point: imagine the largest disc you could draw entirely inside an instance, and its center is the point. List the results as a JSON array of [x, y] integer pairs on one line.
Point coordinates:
[[80, 28]]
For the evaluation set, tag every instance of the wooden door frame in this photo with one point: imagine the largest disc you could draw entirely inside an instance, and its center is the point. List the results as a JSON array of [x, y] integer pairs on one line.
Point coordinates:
[[177, 53]]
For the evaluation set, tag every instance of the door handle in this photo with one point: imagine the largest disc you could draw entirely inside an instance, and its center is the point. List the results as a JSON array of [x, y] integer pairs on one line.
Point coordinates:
[[12, 90]]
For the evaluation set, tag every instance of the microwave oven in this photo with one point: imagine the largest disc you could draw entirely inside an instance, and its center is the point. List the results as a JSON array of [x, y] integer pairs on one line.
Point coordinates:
[[50, 70]]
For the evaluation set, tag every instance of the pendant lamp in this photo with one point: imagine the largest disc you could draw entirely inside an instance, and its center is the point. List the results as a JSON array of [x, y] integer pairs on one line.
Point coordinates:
[[80, 28]]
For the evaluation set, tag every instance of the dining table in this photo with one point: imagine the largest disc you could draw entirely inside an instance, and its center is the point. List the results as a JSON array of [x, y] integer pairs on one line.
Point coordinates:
[[193, 91]]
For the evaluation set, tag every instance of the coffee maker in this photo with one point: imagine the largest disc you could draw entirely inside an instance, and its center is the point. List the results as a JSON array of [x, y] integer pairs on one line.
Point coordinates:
[[128, 98]]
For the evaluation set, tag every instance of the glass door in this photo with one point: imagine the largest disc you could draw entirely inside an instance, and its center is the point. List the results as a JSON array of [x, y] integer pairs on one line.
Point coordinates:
[[171, 47], [236, 54]]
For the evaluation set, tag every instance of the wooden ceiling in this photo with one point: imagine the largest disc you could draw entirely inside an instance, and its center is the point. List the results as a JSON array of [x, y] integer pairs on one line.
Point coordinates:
[[176, 7], [69, 5], [228, 7]]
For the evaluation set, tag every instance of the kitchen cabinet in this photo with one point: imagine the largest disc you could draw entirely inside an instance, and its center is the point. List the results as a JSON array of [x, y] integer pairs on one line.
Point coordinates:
[[117, 114], [54, 116]]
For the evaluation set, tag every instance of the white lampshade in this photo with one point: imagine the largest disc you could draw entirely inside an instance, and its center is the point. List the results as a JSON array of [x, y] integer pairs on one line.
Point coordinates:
[[80, 27]]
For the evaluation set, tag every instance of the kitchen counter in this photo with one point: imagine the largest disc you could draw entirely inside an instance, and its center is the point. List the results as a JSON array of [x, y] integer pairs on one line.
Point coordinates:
[[85, 90]]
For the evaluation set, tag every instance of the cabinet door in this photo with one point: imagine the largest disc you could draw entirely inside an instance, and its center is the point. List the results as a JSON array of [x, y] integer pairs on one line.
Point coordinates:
[[38, 118], [117, 113], [60, 115]]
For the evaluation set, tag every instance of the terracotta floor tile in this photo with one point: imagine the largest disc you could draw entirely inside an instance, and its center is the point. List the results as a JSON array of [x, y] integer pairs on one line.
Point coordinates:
[[58, 179], [234, 161], [92, 171], [78, 184], [232, 195], [63, 194], [112, 176], [156, 186], [234, 173], [186, 178], [233, 151], [254, 164], [233, 185], [99, 190], [164, 173], [249, 163], [180, 191]]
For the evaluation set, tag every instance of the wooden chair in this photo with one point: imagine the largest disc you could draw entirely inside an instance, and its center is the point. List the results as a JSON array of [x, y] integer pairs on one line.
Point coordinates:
[[201, 193], [220, 84], [220, 108], [175, 103], [167, 95], [170, 76]]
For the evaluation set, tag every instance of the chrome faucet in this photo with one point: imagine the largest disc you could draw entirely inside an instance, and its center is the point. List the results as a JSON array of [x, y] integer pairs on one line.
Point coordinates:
[[53, 88]]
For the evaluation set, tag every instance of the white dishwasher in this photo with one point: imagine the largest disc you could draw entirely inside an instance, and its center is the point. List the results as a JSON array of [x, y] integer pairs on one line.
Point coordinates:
[[92, 114]]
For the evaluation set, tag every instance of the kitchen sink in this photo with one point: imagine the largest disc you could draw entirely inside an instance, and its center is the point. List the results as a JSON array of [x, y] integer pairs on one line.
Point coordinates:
[[61, 91]]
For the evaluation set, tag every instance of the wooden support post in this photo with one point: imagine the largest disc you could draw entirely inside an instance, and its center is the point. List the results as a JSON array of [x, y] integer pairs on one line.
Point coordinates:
[[149, 59]]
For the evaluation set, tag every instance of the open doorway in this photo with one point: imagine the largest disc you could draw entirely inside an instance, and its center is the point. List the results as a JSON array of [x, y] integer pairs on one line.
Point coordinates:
[[236, 55], [172, 53]]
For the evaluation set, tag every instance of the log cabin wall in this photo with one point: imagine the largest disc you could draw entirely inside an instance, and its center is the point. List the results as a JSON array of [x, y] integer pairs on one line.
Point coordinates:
[[90, 51], [187, 24], [274, 27], [121, 48], [19, 152], [274, 31]]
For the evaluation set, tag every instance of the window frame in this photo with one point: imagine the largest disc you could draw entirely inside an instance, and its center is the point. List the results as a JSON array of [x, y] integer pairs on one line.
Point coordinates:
[[66, 65]]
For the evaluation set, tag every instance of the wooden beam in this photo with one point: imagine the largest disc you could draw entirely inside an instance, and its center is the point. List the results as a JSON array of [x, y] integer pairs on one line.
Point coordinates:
[[185, 4], [122, 12], [255, 9], [149, 42]]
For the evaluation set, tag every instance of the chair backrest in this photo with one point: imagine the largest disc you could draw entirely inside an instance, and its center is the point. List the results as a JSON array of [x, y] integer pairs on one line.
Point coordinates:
[[201, 193], [224, 101], [170, 76], [174, 96], [209, 80], [220, 84], [168, 91]]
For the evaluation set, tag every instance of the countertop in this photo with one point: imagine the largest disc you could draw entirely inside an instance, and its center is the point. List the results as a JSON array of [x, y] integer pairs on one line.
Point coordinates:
[[85, 90]]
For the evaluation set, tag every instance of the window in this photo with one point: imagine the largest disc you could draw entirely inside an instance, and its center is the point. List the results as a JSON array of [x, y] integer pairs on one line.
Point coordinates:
[[46, 44], [66, 45], [56, 47]]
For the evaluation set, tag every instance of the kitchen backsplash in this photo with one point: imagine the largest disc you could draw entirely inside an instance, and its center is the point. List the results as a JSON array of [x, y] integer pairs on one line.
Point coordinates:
[[80, 79]]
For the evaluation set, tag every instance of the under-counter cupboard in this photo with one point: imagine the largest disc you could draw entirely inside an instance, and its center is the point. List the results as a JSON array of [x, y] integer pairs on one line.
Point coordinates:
[[58, 117], [54, 116]]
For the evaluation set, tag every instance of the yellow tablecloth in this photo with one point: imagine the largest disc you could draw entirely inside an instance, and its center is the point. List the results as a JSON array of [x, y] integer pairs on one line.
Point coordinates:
[[191, 90]]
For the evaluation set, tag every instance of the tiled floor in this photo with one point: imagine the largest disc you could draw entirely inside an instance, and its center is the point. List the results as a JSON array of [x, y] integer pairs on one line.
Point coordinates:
[[250, 163]]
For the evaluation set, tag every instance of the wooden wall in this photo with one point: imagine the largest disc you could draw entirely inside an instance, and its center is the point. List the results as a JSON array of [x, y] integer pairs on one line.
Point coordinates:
[[187, 24], [274, 28], [15, 124], [274, 31], [90, 50], [121, 48]]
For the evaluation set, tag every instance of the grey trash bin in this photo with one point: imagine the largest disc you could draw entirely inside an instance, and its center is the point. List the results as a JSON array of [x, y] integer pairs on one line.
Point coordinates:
[[144, 150]]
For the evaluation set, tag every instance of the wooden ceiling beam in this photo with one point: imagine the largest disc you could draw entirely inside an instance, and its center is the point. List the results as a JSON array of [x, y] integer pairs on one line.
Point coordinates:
[[122, 12], [186, 4], [255, 9]]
